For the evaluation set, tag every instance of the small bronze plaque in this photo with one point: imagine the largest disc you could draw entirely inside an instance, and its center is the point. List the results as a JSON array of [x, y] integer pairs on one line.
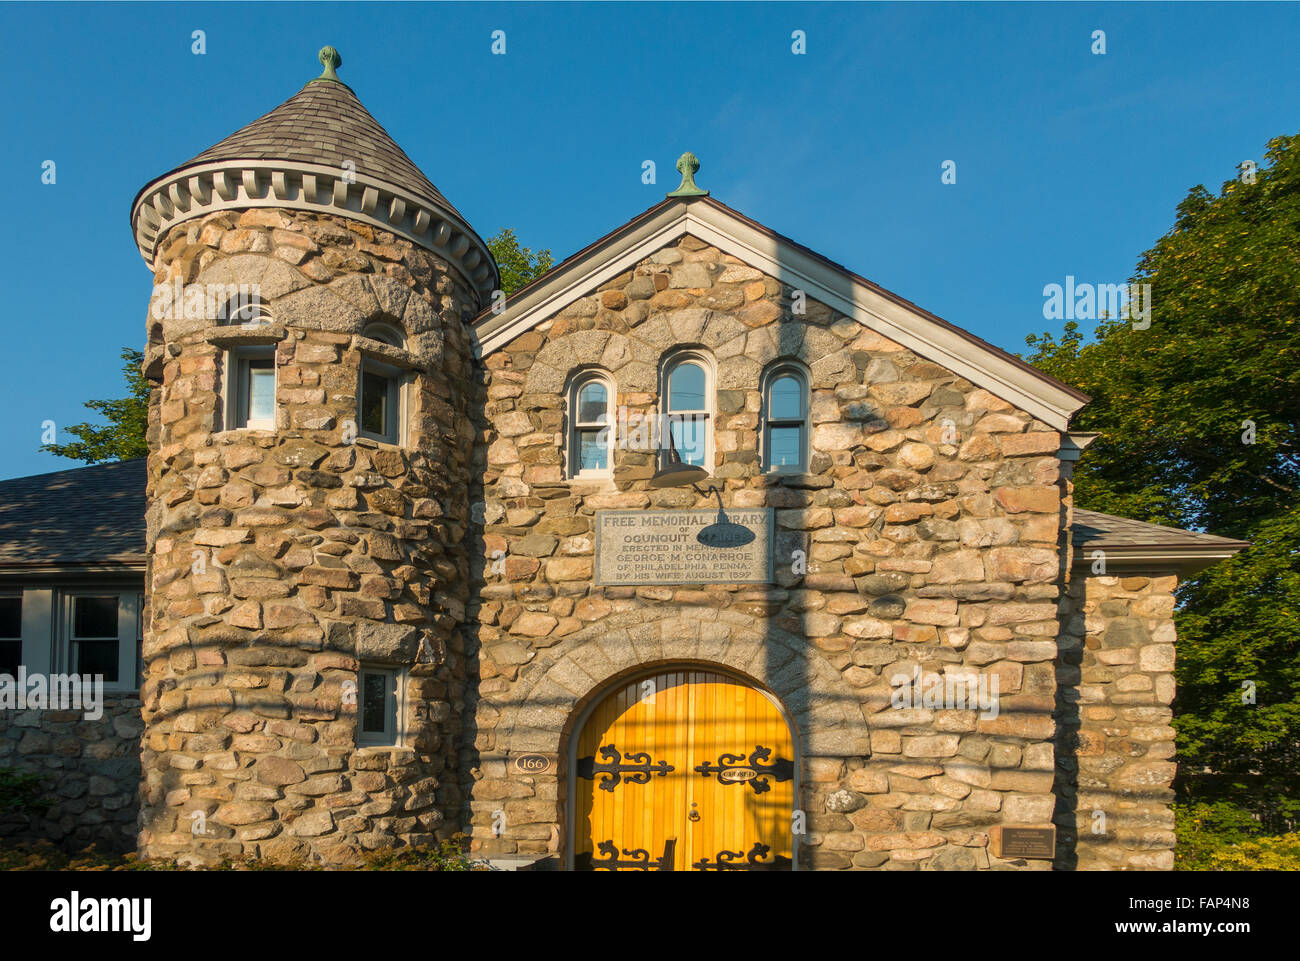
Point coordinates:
[[1022, 841], [738, 774], [532, 764]]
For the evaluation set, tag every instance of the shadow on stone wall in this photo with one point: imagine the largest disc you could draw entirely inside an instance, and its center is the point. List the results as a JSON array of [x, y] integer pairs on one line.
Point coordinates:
[[90, 771]]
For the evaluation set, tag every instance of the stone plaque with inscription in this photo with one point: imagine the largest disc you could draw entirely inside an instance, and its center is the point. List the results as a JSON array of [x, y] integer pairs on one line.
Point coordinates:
[[684, 547]]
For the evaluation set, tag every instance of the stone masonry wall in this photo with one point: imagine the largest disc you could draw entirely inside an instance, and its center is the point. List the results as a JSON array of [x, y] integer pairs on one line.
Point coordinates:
[[1115, 744], [279, 559], [91, 771], [930, 516]]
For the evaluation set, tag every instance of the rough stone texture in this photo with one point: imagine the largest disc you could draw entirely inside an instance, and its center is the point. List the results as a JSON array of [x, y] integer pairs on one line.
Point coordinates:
[[279, 558], [930, 519], [1115, 739], [930, 522], [91, 772]]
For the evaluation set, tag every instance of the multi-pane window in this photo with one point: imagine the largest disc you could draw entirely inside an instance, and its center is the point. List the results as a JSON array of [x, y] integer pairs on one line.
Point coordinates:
[[785, 421], [686, 402], [11, 633], [102, 635], [379, 394], [139, 638], [591, 435], [251, 397], [379, 706], [93, 642]]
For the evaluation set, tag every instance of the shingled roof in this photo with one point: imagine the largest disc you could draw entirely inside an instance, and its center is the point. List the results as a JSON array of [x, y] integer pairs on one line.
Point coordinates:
[[324, 123], [1127, 540], [86, 517], [319, 151]]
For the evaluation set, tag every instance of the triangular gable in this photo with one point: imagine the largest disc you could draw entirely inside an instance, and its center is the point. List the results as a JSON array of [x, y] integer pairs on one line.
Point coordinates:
[[931, 337]]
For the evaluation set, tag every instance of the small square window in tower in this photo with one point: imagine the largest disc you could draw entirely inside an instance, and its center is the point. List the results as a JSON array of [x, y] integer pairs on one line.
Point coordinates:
[[379, 401], [250, 388]]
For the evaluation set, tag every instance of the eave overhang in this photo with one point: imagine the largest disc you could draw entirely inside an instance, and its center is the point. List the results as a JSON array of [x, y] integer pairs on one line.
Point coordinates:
[[201, 189]]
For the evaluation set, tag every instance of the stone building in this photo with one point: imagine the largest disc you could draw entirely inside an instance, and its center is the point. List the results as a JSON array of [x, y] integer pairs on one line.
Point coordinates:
[[698, 552]]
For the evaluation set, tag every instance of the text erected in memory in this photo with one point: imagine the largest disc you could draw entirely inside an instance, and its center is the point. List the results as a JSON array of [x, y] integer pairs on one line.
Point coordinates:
[[684, 547]]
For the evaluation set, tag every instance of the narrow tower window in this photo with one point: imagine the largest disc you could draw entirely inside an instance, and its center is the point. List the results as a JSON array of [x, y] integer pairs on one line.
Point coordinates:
[[380, 704], [379, 392]]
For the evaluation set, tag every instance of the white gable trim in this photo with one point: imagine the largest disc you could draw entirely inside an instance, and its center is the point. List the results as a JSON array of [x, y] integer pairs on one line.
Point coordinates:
[[821, 281], [578, 279]]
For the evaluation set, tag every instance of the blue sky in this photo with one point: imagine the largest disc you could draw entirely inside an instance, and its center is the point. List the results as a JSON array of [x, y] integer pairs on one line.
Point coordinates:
[[1068, 163]]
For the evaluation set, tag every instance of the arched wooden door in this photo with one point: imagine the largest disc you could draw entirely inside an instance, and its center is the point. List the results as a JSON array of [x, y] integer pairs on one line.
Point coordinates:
[[684, 770]]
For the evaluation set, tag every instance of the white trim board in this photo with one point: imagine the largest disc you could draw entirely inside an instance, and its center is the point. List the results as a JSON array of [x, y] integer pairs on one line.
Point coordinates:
[[823, 282]]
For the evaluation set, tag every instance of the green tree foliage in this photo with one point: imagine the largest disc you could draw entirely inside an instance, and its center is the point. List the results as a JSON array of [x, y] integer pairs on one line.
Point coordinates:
[[123, 437], [22, 792], [1222, 836], [518, 264], [1176, 405]]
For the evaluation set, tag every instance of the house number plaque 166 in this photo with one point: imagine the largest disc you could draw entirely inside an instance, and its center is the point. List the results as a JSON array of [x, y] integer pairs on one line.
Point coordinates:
[[532, 764]]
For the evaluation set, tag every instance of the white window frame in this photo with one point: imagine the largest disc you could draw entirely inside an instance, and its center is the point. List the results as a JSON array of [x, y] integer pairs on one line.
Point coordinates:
[[774, 373], [577, 427], [707, 413], [396, 401], [238, 383], [128, 634], [390, 336], [394, 733]]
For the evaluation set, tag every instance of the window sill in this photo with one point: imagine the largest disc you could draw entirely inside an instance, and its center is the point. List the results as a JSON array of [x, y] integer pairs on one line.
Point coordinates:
[[388, 748], [238, 433], [386, 353], [240, 335], [596, 482]]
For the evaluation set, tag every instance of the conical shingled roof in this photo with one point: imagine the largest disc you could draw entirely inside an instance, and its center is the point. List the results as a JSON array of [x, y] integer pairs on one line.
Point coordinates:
[[320, 151], [325, 123]]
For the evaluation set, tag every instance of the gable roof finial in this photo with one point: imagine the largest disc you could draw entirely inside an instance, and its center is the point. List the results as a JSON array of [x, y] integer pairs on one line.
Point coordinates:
[[687, 163], [331, 61]]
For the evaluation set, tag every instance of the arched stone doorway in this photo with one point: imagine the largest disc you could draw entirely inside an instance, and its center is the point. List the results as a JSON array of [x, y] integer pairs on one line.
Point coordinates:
[[538, 714], [681, 768]]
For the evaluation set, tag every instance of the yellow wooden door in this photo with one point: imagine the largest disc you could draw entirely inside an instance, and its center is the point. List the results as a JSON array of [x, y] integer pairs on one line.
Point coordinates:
[[684, 770]]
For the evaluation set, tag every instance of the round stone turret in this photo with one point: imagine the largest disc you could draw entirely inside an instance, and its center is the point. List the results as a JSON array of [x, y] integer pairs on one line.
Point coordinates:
[[308, 469]]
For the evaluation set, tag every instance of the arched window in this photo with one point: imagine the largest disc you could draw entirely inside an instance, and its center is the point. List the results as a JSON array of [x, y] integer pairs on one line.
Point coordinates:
[[591, 426], [379, 392], [244, 308], [385, 334], [688, 406], [785, 420]]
